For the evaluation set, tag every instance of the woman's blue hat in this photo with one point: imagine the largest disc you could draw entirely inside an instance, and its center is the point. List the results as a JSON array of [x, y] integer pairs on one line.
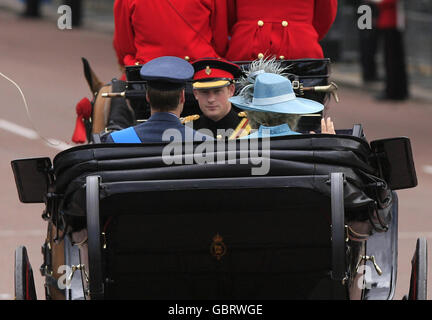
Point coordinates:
[[274, 93]]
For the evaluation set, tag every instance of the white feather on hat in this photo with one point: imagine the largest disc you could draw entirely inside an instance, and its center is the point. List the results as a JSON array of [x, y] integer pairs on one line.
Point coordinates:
[[247, 82]]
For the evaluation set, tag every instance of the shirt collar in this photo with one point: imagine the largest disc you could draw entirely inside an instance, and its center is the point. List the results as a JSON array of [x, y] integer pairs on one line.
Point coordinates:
[[275, 131], [264, 131], [164, 116]]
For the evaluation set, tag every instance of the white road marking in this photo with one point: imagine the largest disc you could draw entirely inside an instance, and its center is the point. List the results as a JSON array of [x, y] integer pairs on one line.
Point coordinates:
[[59, 145], [414, 235], [427, 169], [17, 129], [21, 233], [31, 134]]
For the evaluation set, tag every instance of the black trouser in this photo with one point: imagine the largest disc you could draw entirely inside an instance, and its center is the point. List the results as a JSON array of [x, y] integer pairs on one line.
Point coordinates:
[[368, 46], [32, 8], [368, 50], [76, 11], [395, 65]]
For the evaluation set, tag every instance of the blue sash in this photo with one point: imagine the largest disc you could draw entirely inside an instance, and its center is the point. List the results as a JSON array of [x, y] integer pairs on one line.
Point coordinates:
[[125, 136]]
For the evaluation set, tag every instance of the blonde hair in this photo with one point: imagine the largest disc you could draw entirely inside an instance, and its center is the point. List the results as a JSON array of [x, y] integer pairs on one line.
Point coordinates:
[[247, 82], [272, 119]]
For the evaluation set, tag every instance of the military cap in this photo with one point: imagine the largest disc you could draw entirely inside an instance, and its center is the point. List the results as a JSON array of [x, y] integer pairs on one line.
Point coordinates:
[[214, 73], [167, 72]]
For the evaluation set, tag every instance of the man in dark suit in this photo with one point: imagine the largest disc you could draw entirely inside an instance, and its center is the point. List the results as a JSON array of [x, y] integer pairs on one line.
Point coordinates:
[[166, 79]]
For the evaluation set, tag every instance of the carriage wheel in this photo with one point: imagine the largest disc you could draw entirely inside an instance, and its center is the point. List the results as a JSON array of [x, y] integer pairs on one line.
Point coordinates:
[[419, 266], [24, 281]]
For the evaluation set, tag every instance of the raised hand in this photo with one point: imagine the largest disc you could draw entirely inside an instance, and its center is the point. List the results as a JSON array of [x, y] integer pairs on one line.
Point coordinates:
[[327, 126]]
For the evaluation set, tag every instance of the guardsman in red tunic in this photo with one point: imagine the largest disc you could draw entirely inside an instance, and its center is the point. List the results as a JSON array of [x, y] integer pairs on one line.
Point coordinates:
[[286, 29], [147, 29], [391, 24]]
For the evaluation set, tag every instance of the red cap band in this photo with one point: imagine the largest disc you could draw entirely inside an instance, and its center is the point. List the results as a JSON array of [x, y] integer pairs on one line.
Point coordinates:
[[212, 73]]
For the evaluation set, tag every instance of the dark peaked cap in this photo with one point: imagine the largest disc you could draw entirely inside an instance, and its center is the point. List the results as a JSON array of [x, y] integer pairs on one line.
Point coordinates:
[[214, 73], [167, 72]]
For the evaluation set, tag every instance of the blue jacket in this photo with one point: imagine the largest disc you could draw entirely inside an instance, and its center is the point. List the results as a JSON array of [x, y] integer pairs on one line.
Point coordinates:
[[153, 131]]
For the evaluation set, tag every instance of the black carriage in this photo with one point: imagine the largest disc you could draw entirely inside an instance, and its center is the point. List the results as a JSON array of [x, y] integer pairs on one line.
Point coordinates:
[[125, 222], [320, 224]]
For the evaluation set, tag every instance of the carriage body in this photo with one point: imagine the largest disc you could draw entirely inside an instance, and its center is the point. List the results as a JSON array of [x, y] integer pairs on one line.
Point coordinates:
[[130, 225]]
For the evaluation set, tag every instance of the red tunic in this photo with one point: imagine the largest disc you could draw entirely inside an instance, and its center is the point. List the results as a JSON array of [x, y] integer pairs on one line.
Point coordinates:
[[147, 29], [287, 29], [388, 14]]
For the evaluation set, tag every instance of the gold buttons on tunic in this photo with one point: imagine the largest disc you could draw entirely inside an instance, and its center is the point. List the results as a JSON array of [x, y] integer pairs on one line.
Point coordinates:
[[260, 55], [187, 58], [260, 23], [284, 23], [281, 57]]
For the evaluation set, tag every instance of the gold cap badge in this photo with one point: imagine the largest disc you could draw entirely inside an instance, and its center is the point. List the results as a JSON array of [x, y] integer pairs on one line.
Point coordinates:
[[208, 70], [218, 248]]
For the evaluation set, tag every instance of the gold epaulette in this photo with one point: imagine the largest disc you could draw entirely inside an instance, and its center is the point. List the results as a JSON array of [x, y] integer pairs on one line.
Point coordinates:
[[243, 129], [189, 118], [242, 114]]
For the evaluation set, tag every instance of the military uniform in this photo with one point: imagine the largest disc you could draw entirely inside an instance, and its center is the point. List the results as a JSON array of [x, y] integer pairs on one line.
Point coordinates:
[[235, 124], [390, 25], [214, 73], [147, 29], [287, 29], [153, 131], [163, 73]]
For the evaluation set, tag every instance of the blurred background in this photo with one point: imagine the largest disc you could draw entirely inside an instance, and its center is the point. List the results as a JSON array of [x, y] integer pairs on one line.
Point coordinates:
[[46, 63], [342, 44]]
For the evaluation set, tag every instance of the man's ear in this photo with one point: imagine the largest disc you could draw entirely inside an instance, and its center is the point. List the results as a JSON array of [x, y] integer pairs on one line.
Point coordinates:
[[147, 97], [182, 97], [231, 89], [195, 93]]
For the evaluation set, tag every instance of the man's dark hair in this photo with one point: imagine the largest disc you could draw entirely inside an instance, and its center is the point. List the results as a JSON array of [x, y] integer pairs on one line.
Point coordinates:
[[164, 100]]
